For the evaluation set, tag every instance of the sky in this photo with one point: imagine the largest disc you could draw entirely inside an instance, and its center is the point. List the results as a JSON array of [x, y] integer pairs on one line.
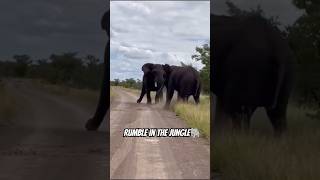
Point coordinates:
[[283, 9], [156, 32], [42, 27]]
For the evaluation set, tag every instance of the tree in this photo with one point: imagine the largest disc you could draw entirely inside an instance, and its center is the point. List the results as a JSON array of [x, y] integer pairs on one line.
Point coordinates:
[[22, 63], [91, 61], [65, 67], [304, 38], [116, 82], [233, 10], [203, 55]]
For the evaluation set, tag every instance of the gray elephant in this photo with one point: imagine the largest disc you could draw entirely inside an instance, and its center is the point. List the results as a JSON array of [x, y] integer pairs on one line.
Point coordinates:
[[103, 105], [185, 80], [153, 80], [252, 67]]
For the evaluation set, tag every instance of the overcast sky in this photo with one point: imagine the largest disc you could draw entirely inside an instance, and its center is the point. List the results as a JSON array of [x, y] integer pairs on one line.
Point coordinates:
[[156, 32], [42, 27], [162, 32], [284, 9]]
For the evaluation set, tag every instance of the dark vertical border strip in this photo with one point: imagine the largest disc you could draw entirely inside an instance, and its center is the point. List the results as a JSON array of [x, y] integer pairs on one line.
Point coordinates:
[[103, 108], [212, 106], [107, 70]]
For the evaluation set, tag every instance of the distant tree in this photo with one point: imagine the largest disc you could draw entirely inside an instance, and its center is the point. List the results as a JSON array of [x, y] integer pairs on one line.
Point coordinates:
[[91, 60], [203, 55], [304, 38], [65, 67], [22, 63], [130, 83], [116, 82], [233, 10]]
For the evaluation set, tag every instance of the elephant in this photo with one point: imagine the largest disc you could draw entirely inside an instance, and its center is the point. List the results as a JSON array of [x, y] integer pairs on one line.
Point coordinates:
[[252, 67], [153, 80], [185, 80], [103, 104]]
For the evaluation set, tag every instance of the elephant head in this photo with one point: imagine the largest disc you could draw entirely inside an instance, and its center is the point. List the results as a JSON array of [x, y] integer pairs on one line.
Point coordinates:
[[155, 75], [153, 80]]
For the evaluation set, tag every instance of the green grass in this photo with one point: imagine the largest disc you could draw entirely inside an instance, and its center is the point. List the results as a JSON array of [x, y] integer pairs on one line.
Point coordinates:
[[7, 106], [112, 93], [196, 116], [259, 155]]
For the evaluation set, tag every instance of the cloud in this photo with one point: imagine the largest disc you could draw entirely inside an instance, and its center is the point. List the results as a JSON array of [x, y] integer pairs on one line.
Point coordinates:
[[156, 32], [42, 27], [134, 52], [284, 9], [133, 7]]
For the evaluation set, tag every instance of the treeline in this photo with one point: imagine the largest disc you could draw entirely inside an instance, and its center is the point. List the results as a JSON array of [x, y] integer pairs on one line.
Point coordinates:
[[67, 69], [127, 83]]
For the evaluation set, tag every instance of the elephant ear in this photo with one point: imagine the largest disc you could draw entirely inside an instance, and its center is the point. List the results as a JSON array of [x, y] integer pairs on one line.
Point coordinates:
[[147, 68], [167, 68]]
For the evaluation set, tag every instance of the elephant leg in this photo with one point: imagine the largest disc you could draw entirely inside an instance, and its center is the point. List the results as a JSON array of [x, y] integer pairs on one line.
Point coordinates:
[[148, 97], [278, 114], [143, 92], [196, 97], [221, 119], [143, 89], [170, 92], [158, 95], [156, 98], [236, 118], [104, 99], [246, 116], [161, 96], [278, 118]]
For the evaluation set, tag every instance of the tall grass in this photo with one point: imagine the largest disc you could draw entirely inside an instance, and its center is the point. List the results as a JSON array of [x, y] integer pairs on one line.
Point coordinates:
[[112, 93], [259, 155], [196, 116], [7, 106]]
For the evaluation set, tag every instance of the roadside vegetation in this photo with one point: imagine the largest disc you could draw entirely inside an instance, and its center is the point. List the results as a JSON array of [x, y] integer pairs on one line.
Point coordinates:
[[112, 93], [259, 155], [67, 69], [83, 96], [196, 116], [7, 106]]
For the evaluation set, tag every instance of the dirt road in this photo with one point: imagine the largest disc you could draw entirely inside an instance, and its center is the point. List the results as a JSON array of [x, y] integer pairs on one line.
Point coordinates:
[[47, 139], [148, 158]]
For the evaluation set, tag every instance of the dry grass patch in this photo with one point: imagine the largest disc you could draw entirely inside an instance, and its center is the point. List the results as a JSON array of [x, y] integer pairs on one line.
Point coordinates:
[[260, 155], [196, 116], [7, 106]]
